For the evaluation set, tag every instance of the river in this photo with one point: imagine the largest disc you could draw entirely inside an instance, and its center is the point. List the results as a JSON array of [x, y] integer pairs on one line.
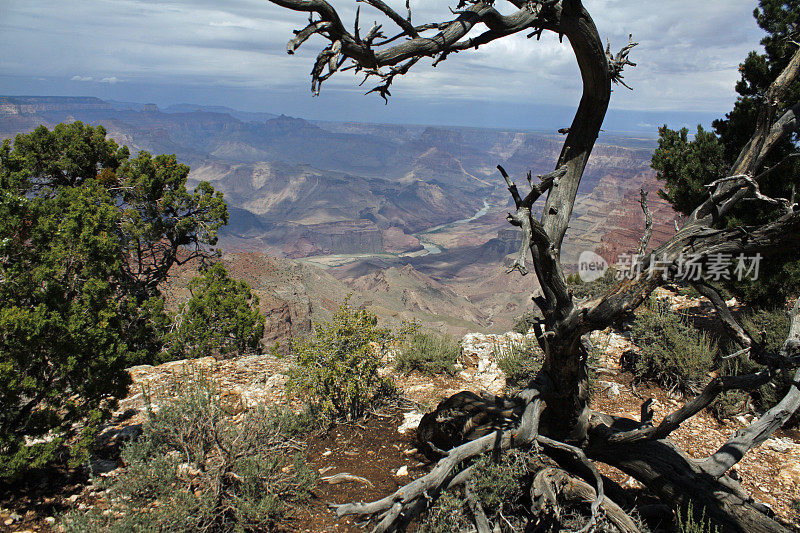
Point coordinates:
[[430, 247]]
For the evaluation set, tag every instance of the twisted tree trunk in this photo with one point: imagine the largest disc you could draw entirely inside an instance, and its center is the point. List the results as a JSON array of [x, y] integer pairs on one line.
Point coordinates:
[[551, 413]]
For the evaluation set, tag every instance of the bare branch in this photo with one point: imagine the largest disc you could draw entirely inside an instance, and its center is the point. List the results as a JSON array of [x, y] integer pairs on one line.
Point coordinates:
[[712, 390], [760, 430], [571, 488], [481, 522], [303, 35], [405, 24], [617, 63], [692, 240], [364, 53], [512, 187], [581, 457], [547, 182], [648, 224], [415, 496], [732, 326], [767, 134]]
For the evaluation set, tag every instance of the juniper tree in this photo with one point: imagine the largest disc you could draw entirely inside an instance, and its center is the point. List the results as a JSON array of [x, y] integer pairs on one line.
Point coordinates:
[[87, 237], [689, 166]]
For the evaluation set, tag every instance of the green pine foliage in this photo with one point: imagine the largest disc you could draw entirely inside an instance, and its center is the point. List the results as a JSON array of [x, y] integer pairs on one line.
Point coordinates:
[[686, 165], [87, 236], [337, 366], [221, 318]]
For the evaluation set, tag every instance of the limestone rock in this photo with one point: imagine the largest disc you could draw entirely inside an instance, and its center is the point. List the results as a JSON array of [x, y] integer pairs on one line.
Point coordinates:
[[789, 475], [410, 422], [479, 354]]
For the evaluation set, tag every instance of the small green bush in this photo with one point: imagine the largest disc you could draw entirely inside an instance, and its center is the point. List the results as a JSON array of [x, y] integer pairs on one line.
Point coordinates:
[[500, 484], [195, 468], [729, 404], [430, 353], [447, 515], [593, 289], [673, 352], [519, 363], [221, 318], [687, 523], [774, 325], [524, 323], [337, 366]]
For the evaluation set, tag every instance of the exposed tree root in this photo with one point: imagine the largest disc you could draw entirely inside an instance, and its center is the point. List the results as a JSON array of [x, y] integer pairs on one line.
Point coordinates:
[[552, 483], [493, 425], [677, 479], [453, 469]]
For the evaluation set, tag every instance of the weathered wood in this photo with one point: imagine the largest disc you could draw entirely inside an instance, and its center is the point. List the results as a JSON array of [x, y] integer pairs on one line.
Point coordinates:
[[737, 332], [760, 430], [676, 478], [648, 223], [553, 410], [552, 481]]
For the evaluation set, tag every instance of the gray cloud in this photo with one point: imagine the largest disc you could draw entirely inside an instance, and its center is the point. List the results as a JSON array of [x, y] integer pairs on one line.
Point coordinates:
[[685, 63]]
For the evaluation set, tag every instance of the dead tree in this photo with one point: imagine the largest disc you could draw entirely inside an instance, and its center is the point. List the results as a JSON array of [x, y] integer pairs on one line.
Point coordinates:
[[552, 413]]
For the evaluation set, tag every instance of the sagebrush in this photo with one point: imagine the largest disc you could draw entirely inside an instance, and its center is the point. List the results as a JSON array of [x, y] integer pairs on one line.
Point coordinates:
[[337, 366], [673, 353], [519, 362], [196, 468], [429, 353]]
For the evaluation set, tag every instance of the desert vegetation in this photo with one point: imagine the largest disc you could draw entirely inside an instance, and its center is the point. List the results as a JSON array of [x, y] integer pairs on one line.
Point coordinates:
[[428, 352], [221, 318], [195, 467], [337, 367], [91, 234], [714, 179]]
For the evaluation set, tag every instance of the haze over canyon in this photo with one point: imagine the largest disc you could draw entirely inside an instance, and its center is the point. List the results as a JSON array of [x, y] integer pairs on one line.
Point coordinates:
[[408, 218]]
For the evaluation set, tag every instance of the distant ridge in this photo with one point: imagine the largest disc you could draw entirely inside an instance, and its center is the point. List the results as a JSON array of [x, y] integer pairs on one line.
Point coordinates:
[[29, 105], [244, 116], [26, 105]]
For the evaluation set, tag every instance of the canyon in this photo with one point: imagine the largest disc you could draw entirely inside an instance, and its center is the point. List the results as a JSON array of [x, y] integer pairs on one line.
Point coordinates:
[[408, 219]]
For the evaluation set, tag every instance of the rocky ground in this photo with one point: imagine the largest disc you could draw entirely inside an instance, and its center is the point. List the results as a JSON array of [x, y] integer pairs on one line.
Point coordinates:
[[372, 458]]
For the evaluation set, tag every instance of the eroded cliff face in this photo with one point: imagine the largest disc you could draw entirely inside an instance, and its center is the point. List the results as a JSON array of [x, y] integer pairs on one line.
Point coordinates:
[[610, 220], [625, 222], [285, 320], [284, 296], [347, 237]]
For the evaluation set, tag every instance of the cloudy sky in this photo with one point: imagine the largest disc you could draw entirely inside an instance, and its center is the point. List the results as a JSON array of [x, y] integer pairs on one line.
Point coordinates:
[[233, 53]]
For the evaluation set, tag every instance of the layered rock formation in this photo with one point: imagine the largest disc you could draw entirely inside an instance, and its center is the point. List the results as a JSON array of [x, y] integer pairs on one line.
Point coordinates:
[[346, 237], [610, 220], [625, 222]]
